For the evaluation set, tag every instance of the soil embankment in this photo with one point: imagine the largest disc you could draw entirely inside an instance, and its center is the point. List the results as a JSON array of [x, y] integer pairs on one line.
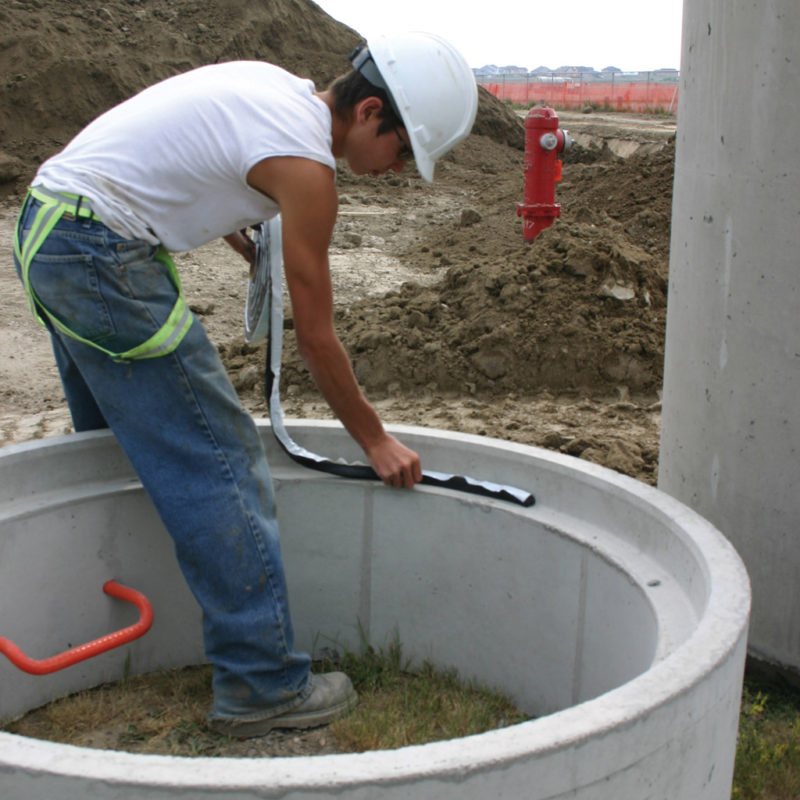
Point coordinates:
[[450, 319]]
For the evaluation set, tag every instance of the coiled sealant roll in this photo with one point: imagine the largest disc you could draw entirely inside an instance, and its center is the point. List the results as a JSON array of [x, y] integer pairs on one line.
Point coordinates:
[[264, 319]]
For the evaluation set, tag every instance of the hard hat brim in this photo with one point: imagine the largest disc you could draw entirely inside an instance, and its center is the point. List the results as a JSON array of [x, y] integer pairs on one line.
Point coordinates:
[[425, 164]]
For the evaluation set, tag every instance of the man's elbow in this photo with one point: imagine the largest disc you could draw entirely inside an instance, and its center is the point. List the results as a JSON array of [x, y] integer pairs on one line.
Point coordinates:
[[313, 346]]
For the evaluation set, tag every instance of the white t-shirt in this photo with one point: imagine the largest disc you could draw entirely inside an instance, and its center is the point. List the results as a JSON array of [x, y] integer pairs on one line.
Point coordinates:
[[169, 165]]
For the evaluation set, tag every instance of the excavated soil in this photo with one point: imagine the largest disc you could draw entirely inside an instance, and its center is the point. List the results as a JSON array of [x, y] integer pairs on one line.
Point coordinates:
[[450, 319]]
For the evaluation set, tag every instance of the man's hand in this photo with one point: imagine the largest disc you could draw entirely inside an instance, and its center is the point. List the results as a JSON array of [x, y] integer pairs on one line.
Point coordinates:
[[395, 464], [244, 246]]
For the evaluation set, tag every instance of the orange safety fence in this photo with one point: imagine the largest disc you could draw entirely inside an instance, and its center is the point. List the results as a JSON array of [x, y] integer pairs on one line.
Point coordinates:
[[637, 96]]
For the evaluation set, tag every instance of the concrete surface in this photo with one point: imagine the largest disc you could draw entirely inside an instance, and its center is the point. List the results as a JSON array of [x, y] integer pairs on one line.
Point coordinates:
[[611, 611], [730, 443]]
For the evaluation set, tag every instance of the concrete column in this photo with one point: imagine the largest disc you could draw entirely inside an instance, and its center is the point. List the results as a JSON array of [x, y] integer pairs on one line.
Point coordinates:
[[730, 444]]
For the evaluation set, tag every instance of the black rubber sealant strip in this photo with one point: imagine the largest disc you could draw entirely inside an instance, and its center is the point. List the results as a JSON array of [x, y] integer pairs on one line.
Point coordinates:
[[265, 299]]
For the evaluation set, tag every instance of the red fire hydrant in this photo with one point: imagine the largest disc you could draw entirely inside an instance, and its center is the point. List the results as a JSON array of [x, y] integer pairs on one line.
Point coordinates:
[[543, 143]]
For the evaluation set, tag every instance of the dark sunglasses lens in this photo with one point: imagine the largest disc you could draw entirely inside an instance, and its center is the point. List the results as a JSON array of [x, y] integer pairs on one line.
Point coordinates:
[[405, 154]]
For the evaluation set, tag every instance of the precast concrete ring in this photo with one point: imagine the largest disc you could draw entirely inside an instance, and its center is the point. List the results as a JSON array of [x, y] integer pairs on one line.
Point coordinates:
[[609, 611]]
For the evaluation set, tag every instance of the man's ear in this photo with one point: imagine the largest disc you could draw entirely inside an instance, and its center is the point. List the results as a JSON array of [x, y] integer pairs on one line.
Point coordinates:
[[367, 108]]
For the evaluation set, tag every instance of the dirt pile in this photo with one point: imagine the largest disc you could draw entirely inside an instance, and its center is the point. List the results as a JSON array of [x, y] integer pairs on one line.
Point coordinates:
[[582, 308], [65, 63]]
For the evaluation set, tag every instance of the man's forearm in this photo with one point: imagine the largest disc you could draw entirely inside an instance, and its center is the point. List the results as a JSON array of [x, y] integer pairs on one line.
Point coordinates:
[[330, 367]]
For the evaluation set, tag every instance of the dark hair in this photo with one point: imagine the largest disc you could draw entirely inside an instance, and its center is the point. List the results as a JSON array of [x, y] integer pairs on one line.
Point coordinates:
[[350, 89]]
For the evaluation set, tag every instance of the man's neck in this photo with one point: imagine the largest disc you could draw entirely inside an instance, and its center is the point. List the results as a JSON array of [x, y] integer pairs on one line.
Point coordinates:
[[339, 127]]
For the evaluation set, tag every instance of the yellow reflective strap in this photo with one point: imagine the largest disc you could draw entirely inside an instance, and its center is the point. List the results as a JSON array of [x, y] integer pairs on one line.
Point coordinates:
[[43, 223], [56, 322], [171, 333], [79, 210], [54, 205]]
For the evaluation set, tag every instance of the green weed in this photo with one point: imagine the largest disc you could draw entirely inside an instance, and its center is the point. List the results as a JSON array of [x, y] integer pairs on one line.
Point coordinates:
[[400, 705], [768, 747], [164, 712]]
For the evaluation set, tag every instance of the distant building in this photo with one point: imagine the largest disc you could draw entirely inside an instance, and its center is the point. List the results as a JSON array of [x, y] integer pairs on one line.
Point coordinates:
[[487, 71], [566, 72]]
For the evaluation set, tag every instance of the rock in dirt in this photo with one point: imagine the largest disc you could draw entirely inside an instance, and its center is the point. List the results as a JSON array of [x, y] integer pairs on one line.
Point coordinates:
[[11, 168]]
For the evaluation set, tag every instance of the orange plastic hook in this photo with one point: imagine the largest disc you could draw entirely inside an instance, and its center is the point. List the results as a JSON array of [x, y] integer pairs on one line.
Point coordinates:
[[69, 657]]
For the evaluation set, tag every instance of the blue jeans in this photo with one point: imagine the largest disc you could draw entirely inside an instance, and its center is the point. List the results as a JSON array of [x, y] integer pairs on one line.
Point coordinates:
[[194, 447]]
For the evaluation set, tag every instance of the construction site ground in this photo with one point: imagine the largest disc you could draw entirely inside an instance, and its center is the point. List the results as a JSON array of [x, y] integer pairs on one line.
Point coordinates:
[[450, 319]]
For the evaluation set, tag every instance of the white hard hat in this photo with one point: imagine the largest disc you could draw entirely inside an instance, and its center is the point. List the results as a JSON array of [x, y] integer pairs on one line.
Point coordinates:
[[432, 88]]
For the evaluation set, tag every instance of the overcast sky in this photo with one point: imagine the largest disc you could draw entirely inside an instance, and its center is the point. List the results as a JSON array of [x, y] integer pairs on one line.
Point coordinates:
[[629, 34]]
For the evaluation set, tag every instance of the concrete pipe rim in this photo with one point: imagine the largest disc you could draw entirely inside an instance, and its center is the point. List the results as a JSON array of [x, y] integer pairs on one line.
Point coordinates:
[[720, 629]]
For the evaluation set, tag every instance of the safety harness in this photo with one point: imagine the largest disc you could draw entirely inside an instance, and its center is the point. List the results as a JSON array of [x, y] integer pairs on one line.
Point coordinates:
[[54, 206]]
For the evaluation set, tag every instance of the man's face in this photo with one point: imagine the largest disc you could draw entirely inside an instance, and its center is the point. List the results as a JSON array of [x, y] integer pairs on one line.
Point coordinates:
[[373, 153]]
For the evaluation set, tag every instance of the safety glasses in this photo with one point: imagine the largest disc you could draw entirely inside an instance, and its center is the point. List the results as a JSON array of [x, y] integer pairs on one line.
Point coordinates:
[[405, 153]]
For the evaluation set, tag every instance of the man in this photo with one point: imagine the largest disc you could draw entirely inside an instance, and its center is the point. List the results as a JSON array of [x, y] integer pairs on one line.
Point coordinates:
[[198, 156]]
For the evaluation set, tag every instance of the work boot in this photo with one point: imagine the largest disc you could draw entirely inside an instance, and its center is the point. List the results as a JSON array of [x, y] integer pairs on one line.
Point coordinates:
[[332, 695]]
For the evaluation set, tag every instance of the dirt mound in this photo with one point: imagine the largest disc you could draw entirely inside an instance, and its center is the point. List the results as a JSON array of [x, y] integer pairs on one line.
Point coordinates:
[[64, 63], [496, 121], [582, 308]]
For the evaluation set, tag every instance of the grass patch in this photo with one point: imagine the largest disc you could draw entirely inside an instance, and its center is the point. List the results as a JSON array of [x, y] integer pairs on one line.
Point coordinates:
[[164, 712], [400, 706], [768, 748]]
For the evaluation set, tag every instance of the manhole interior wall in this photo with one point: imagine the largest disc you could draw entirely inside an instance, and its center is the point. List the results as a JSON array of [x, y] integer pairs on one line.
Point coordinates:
[[610, 611]]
